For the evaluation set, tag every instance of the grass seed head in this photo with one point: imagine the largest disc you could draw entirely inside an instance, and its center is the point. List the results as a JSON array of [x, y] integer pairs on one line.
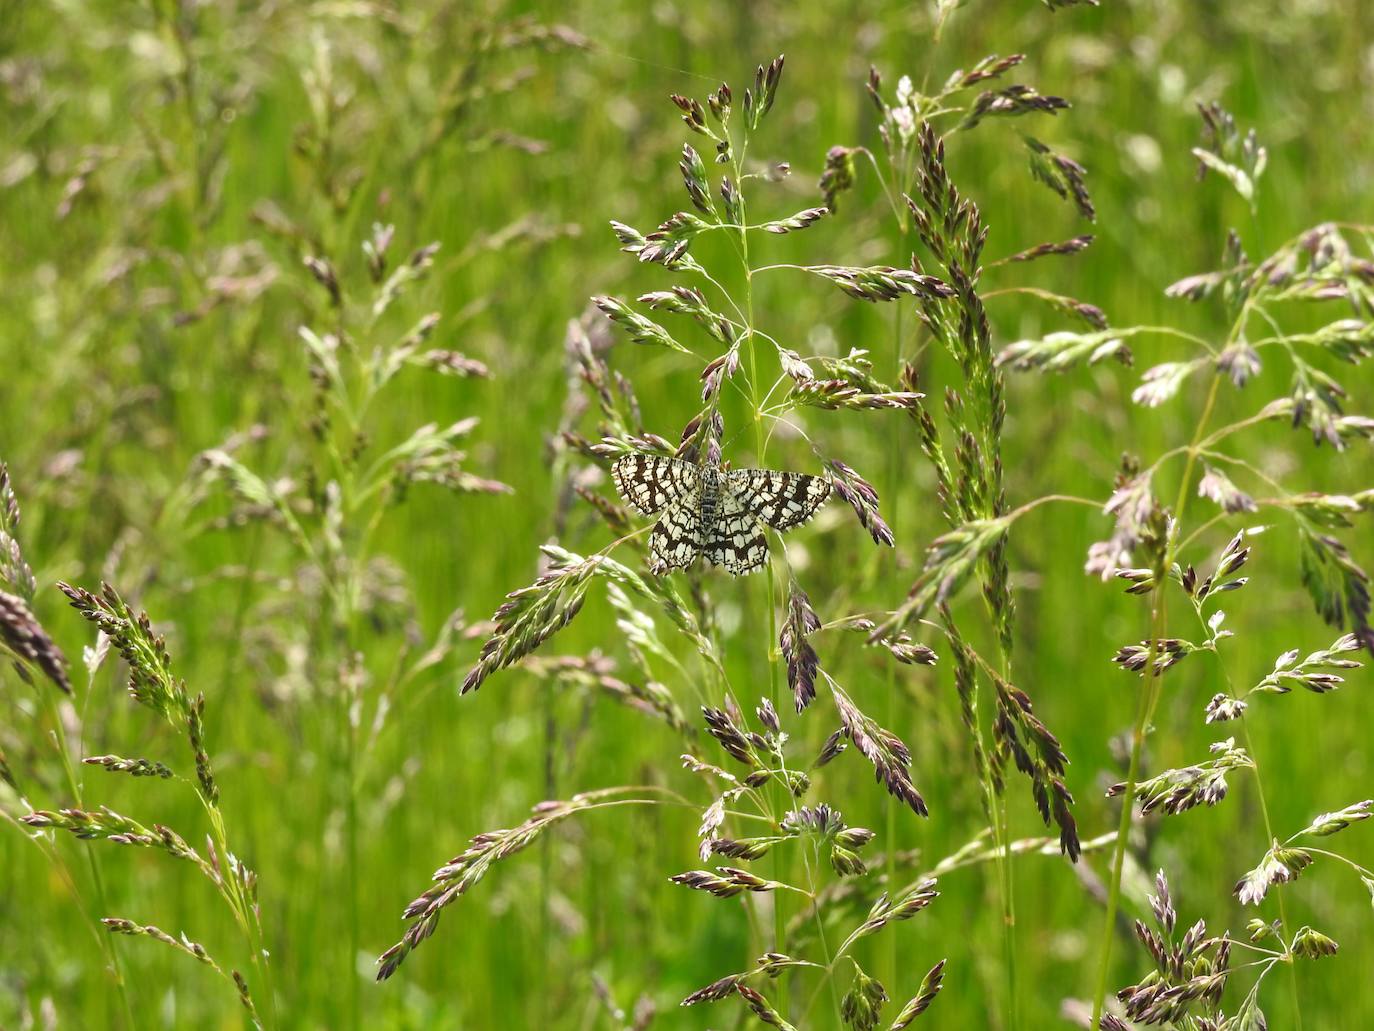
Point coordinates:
[[24, 638]]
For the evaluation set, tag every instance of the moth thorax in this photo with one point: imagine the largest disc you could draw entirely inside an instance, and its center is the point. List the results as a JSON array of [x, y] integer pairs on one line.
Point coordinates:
[[710, 493]]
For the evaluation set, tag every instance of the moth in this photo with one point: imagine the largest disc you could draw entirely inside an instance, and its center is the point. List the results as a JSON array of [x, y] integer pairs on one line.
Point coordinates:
[[718, 514]]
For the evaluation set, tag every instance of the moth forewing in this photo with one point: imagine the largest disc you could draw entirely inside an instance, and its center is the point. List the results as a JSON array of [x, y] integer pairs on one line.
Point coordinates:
[[653, 482], [780, 499]]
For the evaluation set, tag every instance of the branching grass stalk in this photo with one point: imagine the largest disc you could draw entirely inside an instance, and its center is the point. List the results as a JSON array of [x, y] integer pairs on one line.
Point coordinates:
[[998, 813], [770, 586], [1259, 783], [894, 452], [245, 911], [981, 374], [811, 867], [1149, 699], [1269, 836], [995, 810], [1345, 860]]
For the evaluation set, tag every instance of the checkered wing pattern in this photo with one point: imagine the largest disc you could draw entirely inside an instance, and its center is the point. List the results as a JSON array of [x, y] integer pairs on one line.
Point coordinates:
[[780, 499], [651, 483], [719, 515], [677, 537], [735, 540]]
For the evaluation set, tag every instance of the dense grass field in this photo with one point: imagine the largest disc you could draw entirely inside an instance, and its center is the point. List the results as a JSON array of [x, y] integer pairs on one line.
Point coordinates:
[[234, 385]]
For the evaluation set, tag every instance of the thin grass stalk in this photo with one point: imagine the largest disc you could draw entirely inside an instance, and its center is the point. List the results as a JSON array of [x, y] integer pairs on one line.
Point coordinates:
[[984, 379], [1008, 912], [890, 822], [1245, 727], [245, 913], [997, 816], [780, 871], [994, 806], [1149, 699], [1269, 836], [1002, 836], [351, 830], [901, 217], [894, 480], [546, 858], [820, 933], [339, 628], [1001, 827], [107, 944], [991, 433], [1283, 909]]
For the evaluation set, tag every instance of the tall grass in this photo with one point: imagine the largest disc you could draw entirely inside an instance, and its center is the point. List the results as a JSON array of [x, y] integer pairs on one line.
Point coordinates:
[[240, 386]]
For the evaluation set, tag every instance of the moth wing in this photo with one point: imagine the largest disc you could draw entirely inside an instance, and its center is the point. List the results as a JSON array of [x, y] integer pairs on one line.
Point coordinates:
[[736, 541], [782, 500], [677, 537], [653, 482]]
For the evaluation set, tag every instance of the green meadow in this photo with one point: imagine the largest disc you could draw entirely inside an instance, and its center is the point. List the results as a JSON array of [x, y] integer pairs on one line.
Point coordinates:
[[223, 394]]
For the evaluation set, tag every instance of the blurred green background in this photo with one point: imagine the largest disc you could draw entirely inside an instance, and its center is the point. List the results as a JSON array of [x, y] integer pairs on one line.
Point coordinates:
[[148, 311]]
